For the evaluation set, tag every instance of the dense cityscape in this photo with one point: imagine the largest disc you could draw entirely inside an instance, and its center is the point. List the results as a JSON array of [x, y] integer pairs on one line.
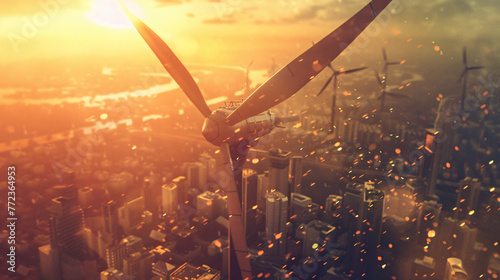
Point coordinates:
[[357, 177]]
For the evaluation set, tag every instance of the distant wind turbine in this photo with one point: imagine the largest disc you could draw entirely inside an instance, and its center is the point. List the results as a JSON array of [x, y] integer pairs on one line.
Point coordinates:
[[465, 75], [383, 81], [334, 77]]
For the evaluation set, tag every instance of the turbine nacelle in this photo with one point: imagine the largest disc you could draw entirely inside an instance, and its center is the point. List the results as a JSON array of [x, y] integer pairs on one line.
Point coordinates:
[[216, 130]]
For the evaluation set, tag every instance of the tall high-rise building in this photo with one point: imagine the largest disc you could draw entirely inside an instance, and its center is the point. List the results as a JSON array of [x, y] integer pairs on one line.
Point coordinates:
[[427, 223], [110, 216], [455, 270], [467, 200], [66, 224], [276, 219], [68, 191], [362, 211], [115, 254], [130, 215], [210, 165], [262, 187], [206, 203], [196, 176], [249, 201], [333, 208], [303, 209], [85, 196], [169, 198], [317, 232], [456, 239], [296, 174], [279, 162], [150, 195], [182, 192], [49, 262], [429, 161], [138, 265]]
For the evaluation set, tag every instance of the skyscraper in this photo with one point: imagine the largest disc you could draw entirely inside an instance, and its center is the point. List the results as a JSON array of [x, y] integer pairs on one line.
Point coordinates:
[[210, 165], [279, 162], [138, 265], [317, 232], [66, 224], [333, 209], [467, 200], [206, 203], [276, 219], [303, 209], [249, 201], [181, 183], [150, 197], [196, 176], [110, 216], [296, 174], [362, 210], [262, 187], [115, 255], [130, 214], [427, 223], [169, 198], [454, 270]]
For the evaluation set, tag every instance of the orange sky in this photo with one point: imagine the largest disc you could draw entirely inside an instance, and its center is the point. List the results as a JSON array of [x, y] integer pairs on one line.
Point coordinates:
[[229, 31], [198, 31]]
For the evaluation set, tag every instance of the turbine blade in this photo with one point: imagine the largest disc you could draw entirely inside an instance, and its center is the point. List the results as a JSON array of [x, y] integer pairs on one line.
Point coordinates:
[[379, 80], [172, 64], [397, 95], [306, 66], [380, 96], [394, 63], [474, 68], [237, 234], [384, 55], [326, 84], [353, 70]]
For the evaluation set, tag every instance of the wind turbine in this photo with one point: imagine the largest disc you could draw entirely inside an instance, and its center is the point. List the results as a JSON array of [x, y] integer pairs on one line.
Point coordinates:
[[384, 92], [334, 76], [465, 75], [236, 128], [387, 63], [383, 82]]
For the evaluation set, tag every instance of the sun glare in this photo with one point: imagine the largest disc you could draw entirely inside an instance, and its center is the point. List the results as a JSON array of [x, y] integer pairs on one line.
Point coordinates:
[[111, 13]]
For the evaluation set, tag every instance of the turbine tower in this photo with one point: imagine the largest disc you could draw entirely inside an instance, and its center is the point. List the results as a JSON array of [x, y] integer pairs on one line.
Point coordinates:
[[334, 76], [465, 75], [234, 129]]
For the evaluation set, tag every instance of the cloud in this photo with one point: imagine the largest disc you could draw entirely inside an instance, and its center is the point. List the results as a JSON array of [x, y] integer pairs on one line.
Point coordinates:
[[225, 20], [33, 7], [164, 3]]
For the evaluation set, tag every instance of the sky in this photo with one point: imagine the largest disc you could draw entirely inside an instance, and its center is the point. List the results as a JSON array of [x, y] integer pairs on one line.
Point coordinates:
[[92, 33]]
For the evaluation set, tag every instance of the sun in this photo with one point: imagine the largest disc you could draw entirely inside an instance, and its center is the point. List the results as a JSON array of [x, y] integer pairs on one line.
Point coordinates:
[[111, 13]]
